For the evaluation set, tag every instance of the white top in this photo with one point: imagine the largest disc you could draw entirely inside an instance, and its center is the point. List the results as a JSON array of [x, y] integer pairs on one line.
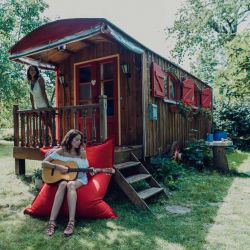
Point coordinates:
[[81, 163], [39, 101]]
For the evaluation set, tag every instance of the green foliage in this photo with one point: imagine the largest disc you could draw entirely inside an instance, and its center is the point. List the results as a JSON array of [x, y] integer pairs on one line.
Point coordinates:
[[203, 28], [187, 110], [17, 18], [166, 170], [206, 64], [197, 154], [184, 109], [7, 136], [203, 111], [203, 192], [210, 31], [234, 78], [235, 119], [37, 173]]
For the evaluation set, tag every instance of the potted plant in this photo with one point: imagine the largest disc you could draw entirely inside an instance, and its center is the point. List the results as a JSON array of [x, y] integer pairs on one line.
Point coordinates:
[[186, 110], [173, 108], [37, 177]]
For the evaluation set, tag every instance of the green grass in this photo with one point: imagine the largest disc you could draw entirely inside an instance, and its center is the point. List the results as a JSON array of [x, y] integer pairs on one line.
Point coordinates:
[[236, 158], [5, 150], [203, 192]]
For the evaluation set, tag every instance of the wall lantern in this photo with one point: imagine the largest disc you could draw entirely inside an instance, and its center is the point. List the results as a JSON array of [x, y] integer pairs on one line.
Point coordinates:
[[126, 69], [62, 79]]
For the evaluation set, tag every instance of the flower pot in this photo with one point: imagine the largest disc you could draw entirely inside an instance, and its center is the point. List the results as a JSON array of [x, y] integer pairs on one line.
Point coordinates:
[[173, 109]]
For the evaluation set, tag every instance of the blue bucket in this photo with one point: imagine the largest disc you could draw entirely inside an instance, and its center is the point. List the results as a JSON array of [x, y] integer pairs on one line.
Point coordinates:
[[210, 137], [219, 135]]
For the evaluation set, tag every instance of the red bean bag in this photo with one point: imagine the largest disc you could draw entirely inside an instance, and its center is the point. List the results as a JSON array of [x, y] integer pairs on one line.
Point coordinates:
[[90, 202]]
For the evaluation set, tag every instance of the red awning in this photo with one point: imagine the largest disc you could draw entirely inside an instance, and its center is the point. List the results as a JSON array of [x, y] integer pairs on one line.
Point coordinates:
[[54, 31]]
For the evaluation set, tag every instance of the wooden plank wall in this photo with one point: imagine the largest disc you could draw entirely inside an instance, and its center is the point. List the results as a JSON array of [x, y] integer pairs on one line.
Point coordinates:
[[130, 103], [170, 126]]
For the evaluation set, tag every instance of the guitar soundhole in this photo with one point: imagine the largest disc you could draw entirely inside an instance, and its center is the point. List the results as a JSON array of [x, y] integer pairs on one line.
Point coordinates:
[[52, 172]]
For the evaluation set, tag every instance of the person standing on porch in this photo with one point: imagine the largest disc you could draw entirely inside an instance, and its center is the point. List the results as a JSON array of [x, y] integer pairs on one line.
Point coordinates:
[[38, 94]]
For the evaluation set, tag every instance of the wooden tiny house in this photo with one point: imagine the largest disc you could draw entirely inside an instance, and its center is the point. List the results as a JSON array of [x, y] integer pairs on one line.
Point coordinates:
[[106, 84], [88, 56]]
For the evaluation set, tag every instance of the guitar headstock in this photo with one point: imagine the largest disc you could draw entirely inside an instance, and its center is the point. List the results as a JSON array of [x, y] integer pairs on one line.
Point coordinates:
[[109, 170], [103, 170]]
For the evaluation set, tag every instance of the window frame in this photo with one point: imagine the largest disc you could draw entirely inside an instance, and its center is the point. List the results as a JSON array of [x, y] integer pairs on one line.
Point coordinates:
[[177, 87]]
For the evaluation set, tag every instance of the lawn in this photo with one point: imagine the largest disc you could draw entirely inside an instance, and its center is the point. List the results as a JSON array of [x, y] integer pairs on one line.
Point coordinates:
[[203, 192]]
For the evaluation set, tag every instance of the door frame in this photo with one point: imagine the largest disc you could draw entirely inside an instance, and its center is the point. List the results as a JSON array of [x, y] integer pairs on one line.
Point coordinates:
[[118, 115]]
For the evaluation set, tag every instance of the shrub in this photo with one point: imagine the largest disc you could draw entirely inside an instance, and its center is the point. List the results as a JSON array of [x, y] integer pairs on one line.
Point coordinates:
[[37, 173], [6, 134], [197, 154], [234, 119], [166, 170]]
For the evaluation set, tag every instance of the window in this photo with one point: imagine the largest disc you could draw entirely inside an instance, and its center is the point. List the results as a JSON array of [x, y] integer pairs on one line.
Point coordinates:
[[173, 87], [164, 84], [107, 83], [85, 93]]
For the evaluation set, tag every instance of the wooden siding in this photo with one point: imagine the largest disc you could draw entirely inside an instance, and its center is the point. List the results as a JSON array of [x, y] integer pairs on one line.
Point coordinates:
[[130, 103], [134, 105], [170, 126]]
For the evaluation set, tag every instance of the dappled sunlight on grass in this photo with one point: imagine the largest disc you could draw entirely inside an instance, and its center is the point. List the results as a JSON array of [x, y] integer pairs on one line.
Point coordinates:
[[6, 150], [163, 244], [205, 193], [231, 228], [236, 158]]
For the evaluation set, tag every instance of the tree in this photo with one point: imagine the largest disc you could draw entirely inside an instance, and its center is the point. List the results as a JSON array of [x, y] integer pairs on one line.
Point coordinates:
[[203, 27], [17, 18], [234, 78]]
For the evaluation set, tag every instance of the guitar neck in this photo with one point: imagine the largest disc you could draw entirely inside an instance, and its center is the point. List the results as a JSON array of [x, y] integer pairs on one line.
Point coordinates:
[[83, 170]]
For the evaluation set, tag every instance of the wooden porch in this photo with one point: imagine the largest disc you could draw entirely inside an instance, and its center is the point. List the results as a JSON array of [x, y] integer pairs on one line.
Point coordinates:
[[38, 128], [35, 129]]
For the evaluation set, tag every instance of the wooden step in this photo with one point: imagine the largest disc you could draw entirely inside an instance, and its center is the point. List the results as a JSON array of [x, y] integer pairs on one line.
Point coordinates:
[[127, 164], [144, 194], [137, 177]]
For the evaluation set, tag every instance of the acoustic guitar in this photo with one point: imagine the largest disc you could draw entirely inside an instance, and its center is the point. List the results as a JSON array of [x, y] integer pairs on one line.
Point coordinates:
[[52, 175]]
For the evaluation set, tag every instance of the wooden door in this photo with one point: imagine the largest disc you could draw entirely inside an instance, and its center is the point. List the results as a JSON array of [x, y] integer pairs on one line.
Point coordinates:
[[94, 79]]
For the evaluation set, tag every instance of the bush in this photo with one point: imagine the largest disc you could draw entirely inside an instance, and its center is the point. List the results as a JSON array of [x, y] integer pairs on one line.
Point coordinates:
[[37, 173], [197, 154], [166, 170], [234, 119], [6, 134]]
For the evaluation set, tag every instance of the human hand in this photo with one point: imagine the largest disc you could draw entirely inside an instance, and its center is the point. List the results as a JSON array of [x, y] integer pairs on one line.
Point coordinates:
[[62, 169], [93, 171]]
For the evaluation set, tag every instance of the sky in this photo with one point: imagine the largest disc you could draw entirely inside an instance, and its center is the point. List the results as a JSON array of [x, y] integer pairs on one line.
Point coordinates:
[[144, 20]]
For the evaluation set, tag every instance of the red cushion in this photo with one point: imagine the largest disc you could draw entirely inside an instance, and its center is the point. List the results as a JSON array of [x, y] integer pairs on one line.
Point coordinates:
[[90, 202], [44, 150]]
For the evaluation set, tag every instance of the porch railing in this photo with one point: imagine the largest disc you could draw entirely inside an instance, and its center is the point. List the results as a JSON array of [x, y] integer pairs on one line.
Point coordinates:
[[47, 126]]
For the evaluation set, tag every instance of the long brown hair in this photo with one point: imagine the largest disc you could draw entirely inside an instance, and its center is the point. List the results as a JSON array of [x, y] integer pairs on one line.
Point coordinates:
[[37, 72], [68, 138]]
